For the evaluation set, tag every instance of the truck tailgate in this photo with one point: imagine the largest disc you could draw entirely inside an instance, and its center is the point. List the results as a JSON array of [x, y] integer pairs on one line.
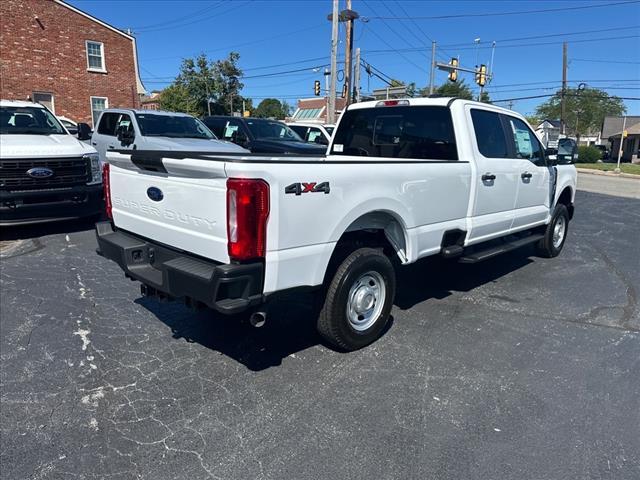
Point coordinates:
[[184, 207]]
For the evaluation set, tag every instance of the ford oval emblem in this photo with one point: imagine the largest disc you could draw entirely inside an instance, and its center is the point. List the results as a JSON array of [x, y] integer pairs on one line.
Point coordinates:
[[40, 172], [155, 194]]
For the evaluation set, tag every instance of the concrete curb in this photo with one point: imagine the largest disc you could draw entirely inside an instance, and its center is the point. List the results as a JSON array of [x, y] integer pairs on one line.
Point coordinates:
[[608, 174]]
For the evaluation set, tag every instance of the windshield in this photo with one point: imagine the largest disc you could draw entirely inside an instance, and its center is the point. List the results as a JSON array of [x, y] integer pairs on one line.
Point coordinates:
[[29, 121], [152, 125], [268, 130]]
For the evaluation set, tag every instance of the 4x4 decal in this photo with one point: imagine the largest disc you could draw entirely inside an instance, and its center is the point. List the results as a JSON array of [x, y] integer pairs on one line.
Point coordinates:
[[307, 187]]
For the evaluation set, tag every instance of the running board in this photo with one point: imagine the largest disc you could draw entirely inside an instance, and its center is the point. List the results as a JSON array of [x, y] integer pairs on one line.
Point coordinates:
[[490, 252]]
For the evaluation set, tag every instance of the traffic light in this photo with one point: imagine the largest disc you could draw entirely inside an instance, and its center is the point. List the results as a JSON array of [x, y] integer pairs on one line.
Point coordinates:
[[453, 73], [481, 75], [344, 90], [316, 87]]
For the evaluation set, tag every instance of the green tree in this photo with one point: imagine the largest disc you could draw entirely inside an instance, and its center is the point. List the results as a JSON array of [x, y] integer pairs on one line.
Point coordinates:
[[271, 108], [209, 84], [585, 109], [176, 98], [533, 120]]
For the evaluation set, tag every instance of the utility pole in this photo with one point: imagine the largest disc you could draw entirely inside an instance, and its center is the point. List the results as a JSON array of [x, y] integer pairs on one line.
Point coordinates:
[[624, 125], [331, 114], [356, 77], [433, 68], [564, 89], [347, 57]]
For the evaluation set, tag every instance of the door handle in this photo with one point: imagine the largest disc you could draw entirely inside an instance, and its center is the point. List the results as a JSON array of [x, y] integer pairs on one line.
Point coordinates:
[[526, 175], [111, 147], [94, 143], [488, 176]]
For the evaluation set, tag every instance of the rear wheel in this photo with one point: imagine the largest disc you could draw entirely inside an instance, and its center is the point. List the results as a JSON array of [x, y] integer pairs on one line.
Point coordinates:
[[556, 233], [358, 301]]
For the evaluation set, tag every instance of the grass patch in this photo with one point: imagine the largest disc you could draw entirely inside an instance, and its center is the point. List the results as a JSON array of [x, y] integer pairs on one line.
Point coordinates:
[[610, 167]]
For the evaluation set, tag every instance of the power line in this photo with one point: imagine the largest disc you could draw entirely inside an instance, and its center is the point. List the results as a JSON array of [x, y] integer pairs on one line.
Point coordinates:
[[520, 45], [253, 42], [547, 35], [179, 19], [419, 30], [601, 61], [199, 20], [495, 14]]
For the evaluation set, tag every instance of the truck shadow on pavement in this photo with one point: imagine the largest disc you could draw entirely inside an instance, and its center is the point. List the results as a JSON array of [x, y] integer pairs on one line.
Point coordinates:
[[36, 230], [290, 326]]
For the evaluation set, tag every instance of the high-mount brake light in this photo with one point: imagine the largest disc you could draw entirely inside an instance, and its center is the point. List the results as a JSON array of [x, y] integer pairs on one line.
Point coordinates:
[[247, 215], [106, 188], [392, 103]]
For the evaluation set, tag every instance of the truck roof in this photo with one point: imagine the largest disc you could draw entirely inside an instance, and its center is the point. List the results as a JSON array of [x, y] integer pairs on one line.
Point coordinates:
[[432, 101], [144, 111], [19, 103]]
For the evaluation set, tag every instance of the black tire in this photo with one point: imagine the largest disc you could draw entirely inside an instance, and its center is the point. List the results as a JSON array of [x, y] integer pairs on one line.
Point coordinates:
[[334, 324], [546, 247]]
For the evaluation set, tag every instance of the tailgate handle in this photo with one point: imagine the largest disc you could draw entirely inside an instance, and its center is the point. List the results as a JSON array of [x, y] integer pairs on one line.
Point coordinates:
[[488, 176]]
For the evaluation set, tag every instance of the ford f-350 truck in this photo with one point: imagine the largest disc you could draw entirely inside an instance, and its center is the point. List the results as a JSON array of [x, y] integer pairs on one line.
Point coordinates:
[[402, 180]]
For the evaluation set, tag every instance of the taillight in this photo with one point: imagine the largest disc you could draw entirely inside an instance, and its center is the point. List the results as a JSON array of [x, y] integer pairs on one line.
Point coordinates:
[[247, 214], [107, 190]]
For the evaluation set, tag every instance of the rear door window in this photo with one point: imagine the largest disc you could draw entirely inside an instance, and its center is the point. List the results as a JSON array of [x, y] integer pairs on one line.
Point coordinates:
[[489, 132], [418, 132]]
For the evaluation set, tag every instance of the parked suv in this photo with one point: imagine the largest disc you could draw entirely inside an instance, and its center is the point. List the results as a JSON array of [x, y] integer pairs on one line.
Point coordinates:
[[312, 132], [261, 135], [129, 129], [45, 173]]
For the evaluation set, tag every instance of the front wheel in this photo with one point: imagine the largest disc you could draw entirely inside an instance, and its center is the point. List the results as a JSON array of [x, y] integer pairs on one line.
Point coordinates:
[[556, 233], [358, 301]]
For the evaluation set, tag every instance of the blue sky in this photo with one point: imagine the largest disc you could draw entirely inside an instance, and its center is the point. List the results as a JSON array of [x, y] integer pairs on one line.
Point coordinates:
[[275, 36]]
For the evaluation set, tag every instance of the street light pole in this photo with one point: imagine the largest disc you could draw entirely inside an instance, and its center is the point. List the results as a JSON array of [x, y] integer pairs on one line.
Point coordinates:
[[433, 68], [331, 114]]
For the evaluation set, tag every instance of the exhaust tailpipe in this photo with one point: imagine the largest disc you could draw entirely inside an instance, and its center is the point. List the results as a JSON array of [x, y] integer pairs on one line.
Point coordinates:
[[258, 319]]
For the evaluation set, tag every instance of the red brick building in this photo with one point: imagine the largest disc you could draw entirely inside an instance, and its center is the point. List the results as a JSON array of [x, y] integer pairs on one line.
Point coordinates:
[[66, 59]]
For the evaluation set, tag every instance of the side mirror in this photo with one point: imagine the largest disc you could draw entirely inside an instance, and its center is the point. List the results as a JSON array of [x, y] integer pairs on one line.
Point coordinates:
[[126, 136], [84, 131]]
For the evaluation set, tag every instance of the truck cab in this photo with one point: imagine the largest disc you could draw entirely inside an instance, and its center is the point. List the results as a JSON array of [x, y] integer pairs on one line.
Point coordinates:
[[46, 174], [131, 129]]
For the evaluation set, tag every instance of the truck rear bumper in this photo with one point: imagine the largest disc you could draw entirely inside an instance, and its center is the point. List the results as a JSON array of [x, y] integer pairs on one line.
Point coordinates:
[[35, 206], [169, 273]]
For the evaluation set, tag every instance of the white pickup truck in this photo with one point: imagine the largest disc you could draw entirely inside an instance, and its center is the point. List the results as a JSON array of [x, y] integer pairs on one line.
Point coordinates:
[[402, 180]]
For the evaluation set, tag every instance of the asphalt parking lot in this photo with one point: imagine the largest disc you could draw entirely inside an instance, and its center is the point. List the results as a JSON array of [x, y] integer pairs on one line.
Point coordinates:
[[516, 368]]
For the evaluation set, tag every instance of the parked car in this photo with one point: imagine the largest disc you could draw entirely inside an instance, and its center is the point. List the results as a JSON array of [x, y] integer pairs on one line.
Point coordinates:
[[70, 125], [313, 133], [261, 135], [129, 129], [45, 173], [402, 180]]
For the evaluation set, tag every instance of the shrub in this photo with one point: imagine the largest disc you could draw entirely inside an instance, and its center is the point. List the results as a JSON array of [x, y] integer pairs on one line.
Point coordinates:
[[588, 154]]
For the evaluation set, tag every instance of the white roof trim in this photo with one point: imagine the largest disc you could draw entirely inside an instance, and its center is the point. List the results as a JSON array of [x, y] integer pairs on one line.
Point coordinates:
[[94, 19]]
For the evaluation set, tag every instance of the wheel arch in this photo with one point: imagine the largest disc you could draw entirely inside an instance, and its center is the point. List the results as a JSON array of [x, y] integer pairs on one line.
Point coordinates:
[[566, 198]]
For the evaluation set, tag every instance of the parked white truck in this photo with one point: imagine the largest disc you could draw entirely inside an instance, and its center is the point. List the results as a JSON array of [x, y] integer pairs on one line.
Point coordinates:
[[402, 180]]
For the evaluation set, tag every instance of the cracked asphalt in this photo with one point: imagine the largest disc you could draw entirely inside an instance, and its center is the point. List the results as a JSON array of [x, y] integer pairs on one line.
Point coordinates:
[[519, 367]]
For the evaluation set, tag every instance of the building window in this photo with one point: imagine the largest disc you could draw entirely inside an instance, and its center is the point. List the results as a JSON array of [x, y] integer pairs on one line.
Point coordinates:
[[45, 99], [97, 105], [95, 56]]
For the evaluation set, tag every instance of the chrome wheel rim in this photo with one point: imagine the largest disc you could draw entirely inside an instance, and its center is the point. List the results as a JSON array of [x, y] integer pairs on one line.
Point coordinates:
[[559, 230], [366, 300]]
